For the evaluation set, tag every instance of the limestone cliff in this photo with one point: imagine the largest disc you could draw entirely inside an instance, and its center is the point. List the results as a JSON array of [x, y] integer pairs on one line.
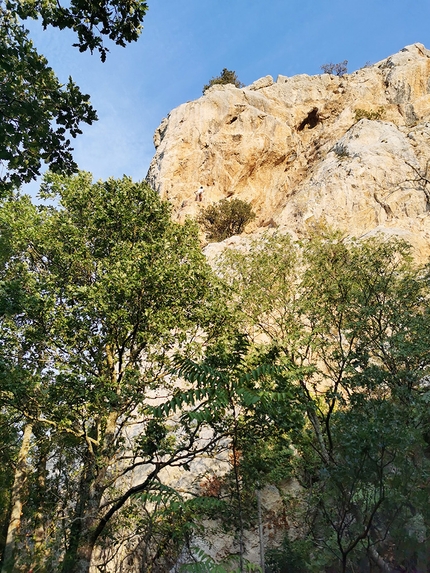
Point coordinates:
[[297, 151]]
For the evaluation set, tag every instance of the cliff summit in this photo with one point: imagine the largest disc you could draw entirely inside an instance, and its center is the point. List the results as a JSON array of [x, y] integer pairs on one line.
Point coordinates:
[[352, 152]]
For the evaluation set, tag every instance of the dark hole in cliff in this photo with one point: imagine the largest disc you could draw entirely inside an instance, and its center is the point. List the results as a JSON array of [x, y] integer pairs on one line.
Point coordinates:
[[233, 119], [311, 120]]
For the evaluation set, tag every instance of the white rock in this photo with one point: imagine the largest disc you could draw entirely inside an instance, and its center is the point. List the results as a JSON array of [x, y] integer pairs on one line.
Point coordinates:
[[278, 146], [261, 83]]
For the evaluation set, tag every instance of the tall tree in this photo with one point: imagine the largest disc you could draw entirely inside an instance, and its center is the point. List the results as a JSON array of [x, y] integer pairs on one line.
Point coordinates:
[[353, 316], [237, 394], [117, 286]]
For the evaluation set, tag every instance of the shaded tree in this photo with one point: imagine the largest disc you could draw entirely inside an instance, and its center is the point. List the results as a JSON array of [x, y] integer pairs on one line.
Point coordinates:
[[352, 316], [237, 394]]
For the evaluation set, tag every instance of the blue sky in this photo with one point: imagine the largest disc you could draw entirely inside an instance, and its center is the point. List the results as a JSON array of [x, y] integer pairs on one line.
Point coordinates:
[[184, 44]]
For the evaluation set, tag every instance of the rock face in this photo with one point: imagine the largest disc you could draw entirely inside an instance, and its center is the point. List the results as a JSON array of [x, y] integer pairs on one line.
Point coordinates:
[[297, 150], [352, 152]]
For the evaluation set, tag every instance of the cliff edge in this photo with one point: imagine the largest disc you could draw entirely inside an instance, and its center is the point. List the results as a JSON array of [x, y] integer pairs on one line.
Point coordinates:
[[352, 151]]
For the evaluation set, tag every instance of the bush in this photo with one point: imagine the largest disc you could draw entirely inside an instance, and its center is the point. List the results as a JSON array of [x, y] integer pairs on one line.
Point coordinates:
[[225, 219], [372, 114], [226, 77], [291, 557], [339, 69]]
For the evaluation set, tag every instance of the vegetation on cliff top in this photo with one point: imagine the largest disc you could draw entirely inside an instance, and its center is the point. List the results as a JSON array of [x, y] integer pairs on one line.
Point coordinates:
[[225, 77]]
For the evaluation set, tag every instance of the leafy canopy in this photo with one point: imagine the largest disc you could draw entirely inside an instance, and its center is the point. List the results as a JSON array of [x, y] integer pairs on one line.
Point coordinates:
[[96, 293], [38, 114], [350, 318], [118, 20]]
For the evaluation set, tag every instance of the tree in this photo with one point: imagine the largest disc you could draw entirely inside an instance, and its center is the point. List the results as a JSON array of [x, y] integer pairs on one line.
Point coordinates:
[[225, 77], [352, 316], [227, 218], [339, 69], [39, 115], [237, 394], [367, 497], [118, 20], [116, 286]]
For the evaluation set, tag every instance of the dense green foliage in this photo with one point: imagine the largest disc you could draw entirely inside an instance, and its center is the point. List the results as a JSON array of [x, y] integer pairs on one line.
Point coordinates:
[[225, 77], [304, 366], [95, 294], [224, 219], [353, 316], [39, 115]]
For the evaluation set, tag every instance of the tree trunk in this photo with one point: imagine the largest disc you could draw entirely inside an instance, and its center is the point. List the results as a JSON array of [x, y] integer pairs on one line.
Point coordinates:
[[83, 558], [379, 561], [239, 505], [79, 551], [260, 530], [39, 553], [17, 502], [92, 486]]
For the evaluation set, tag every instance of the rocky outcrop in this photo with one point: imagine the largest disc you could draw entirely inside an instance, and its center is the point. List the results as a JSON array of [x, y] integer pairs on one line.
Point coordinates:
[[296, 150], [352, 152]]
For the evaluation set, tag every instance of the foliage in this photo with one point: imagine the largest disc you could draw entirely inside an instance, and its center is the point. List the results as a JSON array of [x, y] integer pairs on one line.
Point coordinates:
[[349, 318], [117, 20], [160, 525], [290, 557], [254, 403], [224, 219], [39, 114], [372, 114], [339, 69], [91, 288], [317, 371], [262, 286], [367, 492], [205, 564], [225, 77]]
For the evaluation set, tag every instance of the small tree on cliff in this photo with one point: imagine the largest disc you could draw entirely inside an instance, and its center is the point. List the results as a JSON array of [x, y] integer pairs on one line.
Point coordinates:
[[227, 218], [339, 69], [225, 77]]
